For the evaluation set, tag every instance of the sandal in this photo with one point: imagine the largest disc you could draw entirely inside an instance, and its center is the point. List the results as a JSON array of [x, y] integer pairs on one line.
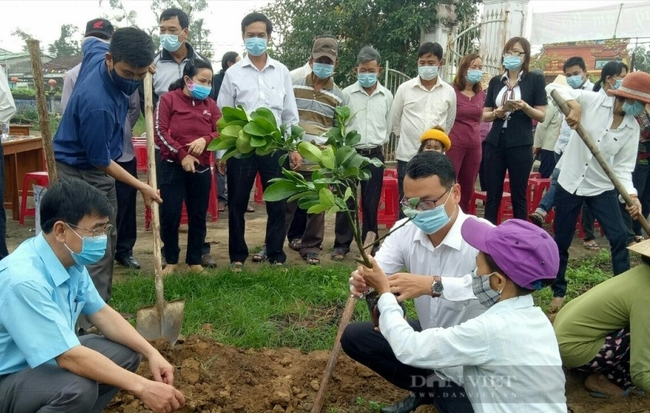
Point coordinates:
[[591, 246], [260, 256], [312, 258], [638, 238], [250, 209], [236, 266], [338, 254], [537, 219], [295, 244]]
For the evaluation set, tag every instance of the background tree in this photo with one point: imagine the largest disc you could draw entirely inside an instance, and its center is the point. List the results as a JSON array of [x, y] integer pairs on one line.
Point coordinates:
[[23, 36], [392, 26], [641, 59], [199, 34], [65, 45]]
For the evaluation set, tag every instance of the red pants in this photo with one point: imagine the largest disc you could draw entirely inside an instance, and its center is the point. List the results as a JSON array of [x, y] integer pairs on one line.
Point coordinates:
[[467, 162]]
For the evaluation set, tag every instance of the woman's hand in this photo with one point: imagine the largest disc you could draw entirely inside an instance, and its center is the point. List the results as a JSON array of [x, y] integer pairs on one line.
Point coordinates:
[[499, 112], [197, 147], [189, 163]]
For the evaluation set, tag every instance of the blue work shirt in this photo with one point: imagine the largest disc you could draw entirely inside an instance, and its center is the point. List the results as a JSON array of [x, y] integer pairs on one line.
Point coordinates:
[[91, 133], [40, 302]]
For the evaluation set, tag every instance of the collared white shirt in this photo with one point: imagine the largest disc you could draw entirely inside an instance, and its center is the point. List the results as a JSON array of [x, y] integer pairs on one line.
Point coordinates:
[[516, 90], [370, 114], [7, 104], [411, 249], [580, 172], [416, 109], [565, 129], [509, 355], [271, 88]]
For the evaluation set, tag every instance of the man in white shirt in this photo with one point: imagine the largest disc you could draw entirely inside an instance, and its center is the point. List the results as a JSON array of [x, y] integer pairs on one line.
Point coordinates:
[[427, 247], [369, 102], [7, 110], [610, 123], [257, 81], [420, 104]]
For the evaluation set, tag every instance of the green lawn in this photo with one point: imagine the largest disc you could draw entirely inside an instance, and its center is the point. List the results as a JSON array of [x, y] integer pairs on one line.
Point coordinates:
[[298, 307]]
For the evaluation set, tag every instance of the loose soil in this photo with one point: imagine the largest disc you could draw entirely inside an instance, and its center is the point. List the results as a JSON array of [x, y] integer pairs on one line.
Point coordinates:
[[215, 378]]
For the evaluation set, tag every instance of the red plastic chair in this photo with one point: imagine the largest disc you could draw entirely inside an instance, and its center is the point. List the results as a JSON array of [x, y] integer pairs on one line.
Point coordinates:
[[140, 149], [388, 213], [505, 208], [31, 178], [259, 190], [391, 173]]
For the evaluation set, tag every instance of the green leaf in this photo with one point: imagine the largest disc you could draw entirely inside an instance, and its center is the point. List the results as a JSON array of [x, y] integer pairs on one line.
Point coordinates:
[[343, 112], [243, 143], [222, 143], [333, 210], [280, 190], [222, 123], [348, 193], [257, 141], [231, 114], [351, 172], [265, 115], [328, 158], [364, 175], [310, 152], [317, 209], [376, 162], [343, 154], [229, 154], [263, 151], [352, 138], [297, 131], [231, 130], [283, 159], [354, 161], [306, 203], [326, 197], [254, 129], [302, 195]]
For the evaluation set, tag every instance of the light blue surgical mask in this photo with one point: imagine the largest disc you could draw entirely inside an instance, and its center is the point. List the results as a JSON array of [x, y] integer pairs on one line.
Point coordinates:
[[170, 42], [92, 249], [512, 62], [474, 76], [428, 72], [483, 291], [198, 91], [367, 79], [633, 109], [432, 220], [575, 81], [323, 70], [617, 84], [256, 46]]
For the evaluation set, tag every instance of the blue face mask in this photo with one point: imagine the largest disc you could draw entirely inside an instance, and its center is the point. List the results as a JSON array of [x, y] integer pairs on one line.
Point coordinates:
[[633, 109], [512, 62], [323, 70], [256, 46], [431, 220], [575, 81], [127, 86], [428, 72], [367, 79], [199, 92], [617, 84], [92, 249], [474, 76], [170, 42]]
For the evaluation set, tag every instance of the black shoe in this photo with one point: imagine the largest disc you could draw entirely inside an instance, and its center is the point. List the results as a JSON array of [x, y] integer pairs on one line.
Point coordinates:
[[207, 261], [406, 406], [537, 219], [128, 262]]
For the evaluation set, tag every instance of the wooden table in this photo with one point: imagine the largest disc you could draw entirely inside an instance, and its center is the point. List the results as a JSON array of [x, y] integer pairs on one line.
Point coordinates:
[[19, 130], [21, 155]]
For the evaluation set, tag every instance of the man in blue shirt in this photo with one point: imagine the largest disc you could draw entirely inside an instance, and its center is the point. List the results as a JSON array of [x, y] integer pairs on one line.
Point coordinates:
[[44, 287], [90, 137]]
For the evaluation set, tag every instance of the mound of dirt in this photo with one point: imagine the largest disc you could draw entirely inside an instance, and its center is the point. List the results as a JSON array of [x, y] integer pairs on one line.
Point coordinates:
[[218, 379]]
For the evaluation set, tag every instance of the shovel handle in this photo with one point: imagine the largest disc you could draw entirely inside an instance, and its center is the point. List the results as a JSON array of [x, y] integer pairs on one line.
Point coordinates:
[[155, 208], [584, 135]]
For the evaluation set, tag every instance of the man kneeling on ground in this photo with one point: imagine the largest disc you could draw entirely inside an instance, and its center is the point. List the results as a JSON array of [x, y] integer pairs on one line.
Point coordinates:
[[44, 287]]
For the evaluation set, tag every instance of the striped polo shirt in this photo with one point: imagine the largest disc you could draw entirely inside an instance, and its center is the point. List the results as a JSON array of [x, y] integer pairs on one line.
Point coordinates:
[[316, 109]]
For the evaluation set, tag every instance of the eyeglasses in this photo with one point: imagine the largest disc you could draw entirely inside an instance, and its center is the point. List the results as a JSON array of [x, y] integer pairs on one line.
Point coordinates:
[[93, 232], [422, 204], [513, 53]]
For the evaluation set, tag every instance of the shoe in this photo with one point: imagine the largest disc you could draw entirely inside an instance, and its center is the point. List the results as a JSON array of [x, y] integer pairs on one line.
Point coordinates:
[[128, 262], [406, 405], [207, 261], [537, 219]]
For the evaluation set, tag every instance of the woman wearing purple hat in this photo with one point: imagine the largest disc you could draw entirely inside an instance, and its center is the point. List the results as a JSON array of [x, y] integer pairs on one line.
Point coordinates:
[[509, 354]]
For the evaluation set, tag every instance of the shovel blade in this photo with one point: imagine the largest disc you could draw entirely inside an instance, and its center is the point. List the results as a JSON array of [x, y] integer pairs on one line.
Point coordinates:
[[153, 326]]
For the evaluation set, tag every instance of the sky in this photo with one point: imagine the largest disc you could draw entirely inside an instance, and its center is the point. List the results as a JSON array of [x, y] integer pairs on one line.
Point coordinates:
[[43, 18]]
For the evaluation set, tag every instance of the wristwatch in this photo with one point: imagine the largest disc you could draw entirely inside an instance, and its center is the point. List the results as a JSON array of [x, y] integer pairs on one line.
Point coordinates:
[[436, 287]]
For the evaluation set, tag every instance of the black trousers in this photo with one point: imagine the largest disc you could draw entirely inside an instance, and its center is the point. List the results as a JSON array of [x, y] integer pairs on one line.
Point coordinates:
[[241, 177], [298, 225], [518, 161], [3, 215], [362, 343], [546, 163], [370, 197], [176, 186], [127, 232]]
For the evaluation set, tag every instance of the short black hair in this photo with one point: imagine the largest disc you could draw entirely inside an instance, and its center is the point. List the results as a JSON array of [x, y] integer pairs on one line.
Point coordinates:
[[169, 14], [132, 46], [430, 163], [256, 17], [190, 70], [429, 47], [575, 61], [70, 200], [228, 57]]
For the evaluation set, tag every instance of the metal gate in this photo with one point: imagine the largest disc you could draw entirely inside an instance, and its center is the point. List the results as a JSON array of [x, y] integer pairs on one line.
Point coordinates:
[[393, 78]]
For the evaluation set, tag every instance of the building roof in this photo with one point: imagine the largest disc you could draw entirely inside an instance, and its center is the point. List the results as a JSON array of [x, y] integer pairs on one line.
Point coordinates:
[[595, 54], [63, 63]]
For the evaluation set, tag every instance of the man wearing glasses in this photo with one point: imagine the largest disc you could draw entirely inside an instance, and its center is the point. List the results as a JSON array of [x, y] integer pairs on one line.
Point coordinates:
[[431, 249]]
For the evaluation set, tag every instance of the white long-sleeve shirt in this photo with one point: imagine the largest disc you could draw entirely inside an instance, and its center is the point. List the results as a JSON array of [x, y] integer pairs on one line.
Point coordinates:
[[370, 114], [509, 355], [416, 109], [7, 104], [580, 172]]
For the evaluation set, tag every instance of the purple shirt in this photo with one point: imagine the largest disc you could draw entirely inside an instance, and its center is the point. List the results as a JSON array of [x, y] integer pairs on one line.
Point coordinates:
[[469, 110]]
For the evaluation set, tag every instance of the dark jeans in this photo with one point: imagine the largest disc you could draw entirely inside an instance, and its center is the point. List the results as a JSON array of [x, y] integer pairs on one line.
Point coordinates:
[[176, 186], [127, 231], [587, 222], [362, 343], [641, 181], [241, 177], [3, 215], [401, 172], [222, 188], [481, 169], [298, 224], [547, 163], [605, 209], [370, 197], [518, 161]]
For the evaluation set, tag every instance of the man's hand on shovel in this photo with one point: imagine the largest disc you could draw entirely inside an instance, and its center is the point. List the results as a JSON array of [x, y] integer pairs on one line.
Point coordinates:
[[634, 210]]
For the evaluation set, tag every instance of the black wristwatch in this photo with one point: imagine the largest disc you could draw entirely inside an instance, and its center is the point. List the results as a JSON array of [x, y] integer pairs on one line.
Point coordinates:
[[436, 287]]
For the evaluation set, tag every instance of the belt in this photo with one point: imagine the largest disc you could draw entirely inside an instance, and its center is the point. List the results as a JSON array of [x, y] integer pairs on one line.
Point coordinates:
[[371, 151]]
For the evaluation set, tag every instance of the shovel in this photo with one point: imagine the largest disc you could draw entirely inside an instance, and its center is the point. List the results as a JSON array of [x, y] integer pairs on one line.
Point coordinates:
[[562, 104], [163, 320]]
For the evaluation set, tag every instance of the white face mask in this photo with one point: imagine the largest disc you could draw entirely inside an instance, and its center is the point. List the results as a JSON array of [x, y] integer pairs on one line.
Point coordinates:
[[428, 72]]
